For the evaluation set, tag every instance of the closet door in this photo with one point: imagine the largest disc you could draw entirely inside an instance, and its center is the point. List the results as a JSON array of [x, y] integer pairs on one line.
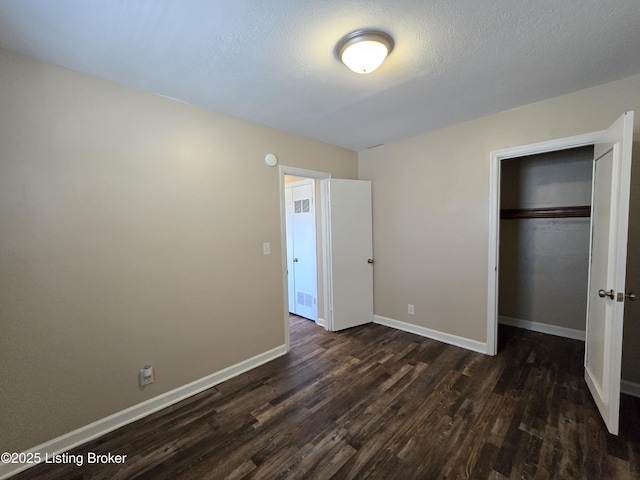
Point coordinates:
[[301, 250], [605, 308]]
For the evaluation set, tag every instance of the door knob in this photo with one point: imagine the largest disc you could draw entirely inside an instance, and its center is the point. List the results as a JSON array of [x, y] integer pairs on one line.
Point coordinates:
[[295, 259], [603, 293], [370, 260], [631, 296]]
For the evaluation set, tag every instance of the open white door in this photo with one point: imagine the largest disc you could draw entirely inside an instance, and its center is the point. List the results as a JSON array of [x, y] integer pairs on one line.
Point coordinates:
[[605, 305], [351, 253]]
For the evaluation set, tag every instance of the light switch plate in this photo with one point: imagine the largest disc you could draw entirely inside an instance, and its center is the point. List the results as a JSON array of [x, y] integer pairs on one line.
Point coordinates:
[[266, 248]]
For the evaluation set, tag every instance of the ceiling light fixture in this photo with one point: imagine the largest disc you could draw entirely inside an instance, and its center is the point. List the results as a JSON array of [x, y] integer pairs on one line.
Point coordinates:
[[363, 51]]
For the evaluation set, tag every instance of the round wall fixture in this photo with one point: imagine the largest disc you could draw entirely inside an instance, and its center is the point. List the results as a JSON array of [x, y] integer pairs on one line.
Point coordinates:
[[271, 160]]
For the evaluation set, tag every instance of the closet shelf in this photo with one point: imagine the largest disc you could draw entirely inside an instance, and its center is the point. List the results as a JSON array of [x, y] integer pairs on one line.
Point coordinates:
[[547, 212]]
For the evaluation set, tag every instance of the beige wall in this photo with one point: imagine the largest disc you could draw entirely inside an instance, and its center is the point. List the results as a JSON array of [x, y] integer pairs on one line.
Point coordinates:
[[132, 229], [544, 263], [431, 200]]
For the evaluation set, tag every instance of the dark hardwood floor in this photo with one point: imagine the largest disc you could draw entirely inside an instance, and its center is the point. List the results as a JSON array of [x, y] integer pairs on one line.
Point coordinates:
[[373, 402]]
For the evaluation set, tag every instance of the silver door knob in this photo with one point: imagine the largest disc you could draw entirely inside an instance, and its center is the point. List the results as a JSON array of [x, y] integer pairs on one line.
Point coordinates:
[[295, 259], [631, 296], [370, 260], [603, 293]]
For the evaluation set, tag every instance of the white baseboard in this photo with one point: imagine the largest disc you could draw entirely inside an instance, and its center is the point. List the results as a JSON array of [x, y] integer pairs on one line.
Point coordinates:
[[467, 343], [543, 328], [112, 422], [630, 388], [320, 321]]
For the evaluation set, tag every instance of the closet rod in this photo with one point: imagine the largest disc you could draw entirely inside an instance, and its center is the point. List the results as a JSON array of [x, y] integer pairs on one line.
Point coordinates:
[[547, 212]]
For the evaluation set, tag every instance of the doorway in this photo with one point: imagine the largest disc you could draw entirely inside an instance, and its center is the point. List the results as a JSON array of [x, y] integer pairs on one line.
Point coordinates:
[[513, 154], [300, 206], [344, 250], [545, 219], [323, 277], [607, 256]]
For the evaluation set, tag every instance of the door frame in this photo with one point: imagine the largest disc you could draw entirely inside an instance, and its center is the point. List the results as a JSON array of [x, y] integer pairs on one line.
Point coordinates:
[[323, 181], [496, 158]]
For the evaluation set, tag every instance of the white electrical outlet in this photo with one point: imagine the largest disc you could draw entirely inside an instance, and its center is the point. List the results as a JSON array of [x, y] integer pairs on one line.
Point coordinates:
[[146, 375], [410, 309]]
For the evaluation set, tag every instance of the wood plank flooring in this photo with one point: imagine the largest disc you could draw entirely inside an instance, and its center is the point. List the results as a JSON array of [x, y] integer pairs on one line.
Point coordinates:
[[373, 402]]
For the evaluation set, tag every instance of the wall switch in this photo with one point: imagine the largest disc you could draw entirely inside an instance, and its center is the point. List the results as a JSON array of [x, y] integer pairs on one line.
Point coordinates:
[[410, 309], [266, 248], [146, 375]]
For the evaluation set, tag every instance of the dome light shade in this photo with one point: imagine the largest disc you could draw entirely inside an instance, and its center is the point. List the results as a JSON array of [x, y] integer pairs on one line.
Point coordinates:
[[363, 51]]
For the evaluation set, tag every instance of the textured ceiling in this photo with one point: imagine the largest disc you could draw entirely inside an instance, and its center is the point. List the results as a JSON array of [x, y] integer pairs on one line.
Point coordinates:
[[272, 62]]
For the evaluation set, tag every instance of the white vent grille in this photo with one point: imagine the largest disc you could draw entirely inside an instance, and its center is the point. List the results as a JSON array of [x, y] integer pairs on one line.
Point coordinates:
[[304, 299], [302, 206]]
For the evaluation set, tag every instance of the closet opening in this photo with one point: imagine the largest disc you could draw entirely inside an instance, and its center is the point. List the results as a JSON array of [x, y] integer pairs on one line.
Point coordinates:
[[606, 267], [545, 209]]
